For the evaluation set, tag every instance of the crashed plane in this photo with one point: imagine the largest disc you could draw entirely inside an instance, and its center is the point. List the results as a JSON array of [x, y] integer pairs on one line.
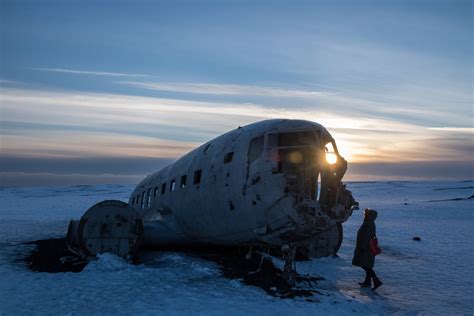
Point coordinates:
[[274, 184]]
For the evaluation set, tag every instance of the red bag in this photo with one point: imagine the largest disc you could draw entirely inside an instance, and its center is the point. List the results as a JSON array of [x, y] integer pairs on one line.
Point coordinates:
[[374, 246]]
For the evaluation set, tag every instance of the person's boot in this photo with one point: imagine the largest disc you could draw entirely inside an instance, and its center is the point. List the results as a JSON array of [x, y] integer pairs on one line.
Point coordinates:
[[377, 284], [366, 283]]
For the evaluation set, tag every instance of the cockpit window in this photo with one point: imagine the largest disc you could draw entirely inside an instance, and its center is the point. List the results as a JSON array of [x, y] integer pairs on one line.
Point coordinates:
[[255, 148], [331, 156], [296, 139], [291, 139]]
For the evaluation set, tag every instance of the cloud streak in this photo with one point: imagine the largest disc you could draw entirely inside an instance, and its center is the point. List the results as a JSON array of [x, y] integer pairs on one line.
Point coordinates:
[[225, 89], [453, 129], [410, 108], [108, 124], [93, 73], [53, 126]]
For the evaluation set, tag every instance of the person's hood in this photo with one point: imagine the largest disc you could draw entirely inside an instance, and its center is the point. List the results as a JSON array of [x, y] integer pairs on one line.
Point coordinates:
[[371, 216]]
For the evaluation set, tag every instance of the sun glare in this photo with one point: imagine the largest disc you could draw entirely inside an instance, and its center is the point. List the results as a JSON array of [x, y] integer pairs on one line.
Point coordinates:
[[345, 150], [331, 158]]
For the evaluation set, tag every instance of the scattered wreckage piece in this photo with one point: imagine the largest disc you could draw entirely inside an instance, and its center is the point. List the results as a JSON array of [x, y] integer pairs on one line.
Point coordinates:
[[53, 256], [257, 268], [108, 226]]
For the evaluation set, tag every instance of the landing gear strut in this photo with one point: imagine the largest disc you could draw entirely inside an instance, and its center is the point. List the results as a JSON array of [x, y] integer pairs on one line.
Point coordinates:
[[289, 271]]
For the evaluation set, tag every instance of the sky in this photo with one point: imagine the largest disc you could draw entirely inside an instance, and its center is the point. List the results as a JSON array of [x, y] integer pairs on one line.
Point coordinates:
[[109, 91]]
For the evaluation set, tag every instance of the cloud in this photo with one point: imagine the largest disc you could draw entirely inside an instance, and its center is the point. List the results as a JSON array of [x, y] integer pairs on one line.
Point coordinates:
[[93, 73], [453, 129], [51, 124], [14, 179], [409, 171], [403, 106], [70, 144], [125, 166], [225, 89], [8, 82]]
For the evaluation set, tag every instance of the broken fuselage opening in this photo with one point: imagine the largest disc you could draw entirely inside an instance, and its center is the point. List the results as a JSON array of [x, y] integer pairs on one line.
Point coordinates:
[[311, 175]]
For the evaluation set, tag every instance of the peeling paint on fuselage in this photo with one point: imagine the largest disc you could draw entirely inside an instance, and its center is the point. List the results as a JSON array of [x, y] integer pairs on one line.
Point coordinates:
[[250, 199]]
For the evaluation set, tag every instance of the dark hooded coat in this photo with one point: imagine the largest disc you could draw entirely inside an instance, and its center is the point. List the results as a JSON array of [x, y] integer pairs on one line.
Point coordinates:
[[362, 255]]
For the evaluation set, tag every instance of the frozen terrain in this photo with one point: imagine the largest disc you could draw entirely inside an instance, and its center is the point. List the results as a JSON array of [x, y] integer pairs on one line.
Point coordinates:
[[431, 276]]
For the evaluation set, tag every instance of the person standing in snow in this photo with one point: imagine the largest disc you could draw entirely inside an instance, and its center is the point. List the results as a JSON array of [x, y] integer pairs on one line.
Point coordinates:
[[363, 257]]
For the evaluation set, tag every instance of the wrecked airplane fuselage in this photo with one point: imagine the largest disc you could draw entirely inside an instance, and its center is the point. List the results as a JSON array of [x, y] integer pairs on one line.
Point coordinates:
[[273, 183]]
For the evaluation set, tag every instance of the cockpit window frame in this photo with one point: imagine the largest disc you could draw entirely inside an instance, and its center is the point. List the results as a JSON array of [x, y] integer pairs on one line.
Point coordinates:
[[256, 148]]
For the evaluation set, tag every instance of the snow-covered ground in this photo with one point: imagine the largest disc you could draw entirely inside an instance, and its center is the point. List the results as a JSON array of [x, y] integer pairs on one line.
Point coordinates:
[[434, 276]]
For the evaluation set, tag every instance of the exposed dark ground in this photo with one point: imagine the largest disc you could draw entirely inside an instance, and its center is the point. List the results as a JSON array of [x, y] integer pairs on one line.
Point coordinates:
[[53, 256]]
